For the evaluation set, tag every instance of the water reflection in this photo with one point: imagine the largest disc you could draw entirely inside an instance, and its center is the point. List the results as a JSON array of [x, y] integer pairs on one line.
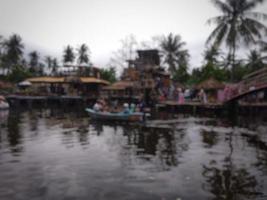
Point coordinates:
[[61, 154], [231, 184]]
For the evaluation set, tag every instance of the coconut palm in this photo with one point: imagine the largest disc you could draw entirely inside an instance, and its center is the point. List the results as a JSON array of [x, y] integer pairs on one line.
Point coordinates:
[[83, 54], [211, 55], [1, 49], [68, 55], [48, 60], [254, 61], [1, 45], [263, 48], [237, 24], [263, 45], [54, 66], [34, 59], [13, 48], [174, 54]]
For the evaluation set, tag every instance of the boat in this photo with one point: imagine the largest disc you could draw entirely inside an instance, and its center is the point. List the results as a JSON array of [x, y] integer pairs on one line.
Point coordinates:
[[3, 103], [119, 116]]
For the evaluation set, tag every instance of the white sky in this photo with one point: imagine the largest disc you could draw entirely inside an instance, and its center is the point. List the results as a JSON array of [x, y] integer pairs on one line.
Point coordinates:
[[50, 25]]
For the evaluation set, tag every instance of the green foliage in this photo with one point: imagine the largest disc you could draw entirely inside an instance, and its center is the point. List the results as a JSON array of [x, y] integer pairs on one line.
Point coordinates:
[[108, 74], [181, 75], [19, 73], [174, 54], [254, 61], [68, 55], [207, 71], [240, 70], [237, 24], [83, 54]]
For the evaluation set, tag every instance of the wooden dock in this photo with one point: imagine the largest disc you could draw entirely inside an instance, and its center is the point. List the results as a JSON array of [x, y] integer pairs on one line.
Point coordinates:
[[18, 100], [216, 108]]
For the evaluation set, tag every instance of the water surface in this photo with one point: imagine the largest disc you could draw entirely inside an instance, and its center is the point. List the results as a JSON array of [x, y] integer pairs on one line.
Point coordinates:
[[59, 154]]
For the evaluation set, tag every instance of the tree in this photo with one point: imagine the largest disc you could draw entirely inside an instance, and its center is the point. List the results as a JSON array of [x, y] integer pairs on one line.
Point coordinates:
[[18, 74], [153, 43], [68, 55], [263, 47], [83, 54], [108, 74], [54, 66], [1, 45], [175, 56], [49, 62], [254, 61], [237, 24], [13, 48], [34, 61], [1, 49], [125, 52], [211, 55]]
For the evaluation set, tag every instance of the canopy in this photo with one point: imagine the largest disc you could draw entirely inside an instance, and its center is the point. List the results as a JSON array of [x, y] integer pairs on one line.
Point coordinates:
[[25, 83]]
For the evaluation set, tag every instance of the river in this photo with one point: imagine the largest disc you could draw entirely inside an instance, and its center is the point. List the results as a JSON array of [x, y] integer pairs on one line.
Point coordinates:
[[61, 154]]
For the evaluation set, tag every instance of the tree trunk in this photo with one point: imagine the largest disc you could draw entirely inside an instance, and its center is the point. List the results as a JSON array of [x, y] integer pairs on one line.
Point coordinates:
[[233, 59]]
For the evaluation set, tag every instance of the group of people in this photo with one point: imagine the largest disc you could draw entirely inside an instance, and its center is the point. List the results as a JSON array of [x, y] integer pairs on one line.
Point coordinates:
[[102, 106]]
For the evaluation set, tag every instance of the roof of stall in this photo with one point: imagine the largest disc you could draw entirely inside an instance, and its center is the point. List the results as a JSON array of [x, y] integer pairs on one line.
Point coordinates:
[[120, 85], [68, 79], [93, 80], [4, 85], [210, 84], [46, 79]]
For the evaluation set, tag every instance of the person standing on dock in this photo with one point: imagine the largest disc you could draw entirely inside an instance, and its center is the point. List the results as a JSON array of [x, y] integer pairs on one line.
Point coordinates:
[[180, 96], [202, 96]]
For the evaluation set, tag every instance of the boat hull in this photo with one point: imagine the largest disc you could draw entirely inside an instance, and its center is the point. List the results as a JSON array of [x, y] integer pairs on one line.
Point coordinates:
[[4, 106], [107, 116]]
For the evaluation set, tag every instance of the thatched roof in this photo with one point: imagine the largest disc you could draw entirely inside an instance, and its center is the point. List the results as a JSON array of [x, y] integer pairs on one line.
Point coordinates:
[[46, 79], [120, 85], [209, 84], [93, 80]]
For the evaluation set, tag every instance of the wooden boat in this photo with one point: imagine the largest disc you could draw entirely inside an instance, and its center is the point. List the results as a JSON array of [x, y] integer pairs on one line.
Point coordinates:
[[120, 116]]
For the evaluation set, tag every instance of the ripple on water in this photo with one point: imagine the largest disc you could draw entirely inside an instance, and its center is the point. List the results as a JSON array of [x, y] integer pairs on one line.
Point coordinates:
[[50, 154]]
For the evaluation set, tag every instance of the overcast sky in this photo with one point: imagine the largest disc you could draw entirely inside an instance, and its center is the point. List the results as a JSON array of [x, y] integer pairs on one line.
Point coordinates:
[[49, 25]]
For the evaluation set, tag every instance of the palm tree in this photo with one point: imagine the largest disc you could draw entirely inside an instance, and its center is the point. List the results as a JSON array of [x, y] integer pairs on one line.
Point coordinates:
[[211, 55], [174, 54], [34, 58], [1, 45], [13, 50], [263, 48], [54, 66], [237, 24], [254, 61], [1, 48], [68, 56], [49, 61], [83, 54]]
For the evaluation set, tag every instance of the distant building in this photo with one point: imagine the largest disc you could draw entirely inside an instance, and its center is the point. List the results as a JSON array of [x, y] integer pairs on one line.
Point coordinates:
[[83, 81], [142, 76]]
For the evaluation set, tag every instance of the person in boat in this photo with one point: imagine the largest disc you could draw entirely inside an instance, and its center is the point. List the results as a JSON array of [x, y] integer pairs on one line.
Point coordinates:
[[126, 109], [3, 103], [97, 106], [132, 107]]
